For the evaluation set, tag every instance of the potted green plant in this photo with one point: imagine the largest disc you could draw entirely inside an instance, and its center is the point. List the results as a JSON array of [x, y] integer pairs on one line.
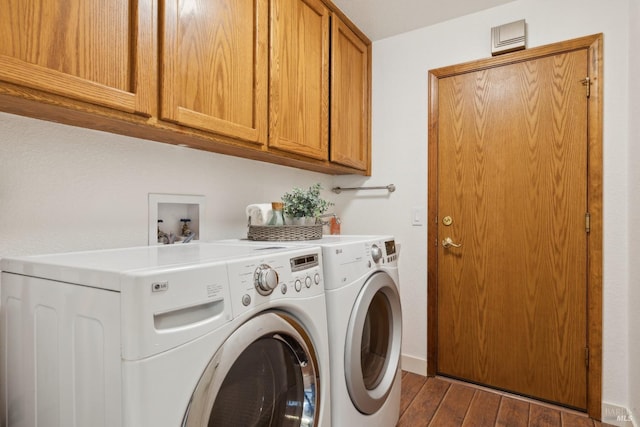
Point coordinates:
[[303, 207]]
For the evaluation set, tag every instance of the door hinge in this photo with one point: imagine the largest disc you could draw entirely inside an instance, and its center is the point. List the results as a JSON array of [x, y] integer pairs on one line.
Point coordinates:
[[587, 83], [586, 356], [587, 222]]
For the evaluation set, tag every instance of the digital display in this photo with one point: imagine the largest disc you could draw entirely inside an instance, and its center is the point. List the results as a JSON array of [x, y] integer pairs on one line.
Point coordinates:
[[390, 246], [304, 262]]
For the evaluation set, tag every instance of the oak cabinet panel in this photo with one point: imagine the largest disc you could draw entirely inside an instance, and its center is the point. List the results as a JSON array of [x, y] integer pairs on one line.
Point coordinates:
[[350, 94], [214, 66], [88, 50], [299, 78]]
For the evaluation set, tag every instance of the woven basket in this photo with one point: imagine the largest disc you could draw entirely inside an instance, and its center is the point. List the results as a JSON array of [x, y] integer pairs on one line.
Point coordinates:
[[285, 232]]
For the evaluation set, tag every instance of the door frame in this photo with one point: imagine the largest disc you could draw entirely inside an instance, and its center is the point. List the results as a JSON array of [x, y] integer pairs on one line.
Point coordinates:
[[594, 200]]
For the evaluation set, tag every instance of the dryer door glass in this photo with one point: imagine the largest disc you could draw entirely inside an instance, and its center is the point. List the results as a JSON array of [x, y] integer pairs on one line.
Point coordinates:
[[372, 348], [376, 339], [265, 374]]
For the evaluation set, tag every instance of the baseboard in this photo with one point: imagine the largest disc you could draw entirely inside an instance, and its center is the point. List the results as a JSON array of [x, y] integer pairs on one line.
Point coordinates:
[[618, 416], [413, 364]]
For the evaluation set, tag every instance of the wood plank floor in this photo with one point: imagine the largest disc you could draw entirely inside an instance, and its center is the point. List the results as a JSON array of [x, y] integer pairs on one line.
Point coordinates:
[[439, 402]]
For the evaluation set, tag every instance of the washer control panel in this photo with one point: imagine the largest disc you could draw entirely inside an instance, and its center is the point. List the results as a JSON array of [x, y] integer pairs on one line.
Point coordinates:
[[270, 278]]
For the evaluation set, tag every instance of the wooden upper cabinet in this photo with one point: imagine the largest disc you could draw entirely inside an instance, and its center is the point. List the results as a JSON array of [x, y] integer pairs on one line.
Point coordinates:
[[249, 78], [214, 66], [87, 50], [350, 95], [299, 77]]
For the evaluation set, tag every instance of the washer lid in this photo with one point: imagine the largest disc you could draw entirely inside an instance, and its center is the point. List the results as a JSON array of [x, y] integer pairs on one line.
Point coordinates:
[[103, 268]]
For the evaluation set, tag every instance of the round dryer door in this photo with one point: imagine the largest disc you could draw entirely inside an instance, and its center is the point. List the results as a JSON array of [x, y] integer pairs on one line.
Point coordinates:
[[372, 348], [265, 374]]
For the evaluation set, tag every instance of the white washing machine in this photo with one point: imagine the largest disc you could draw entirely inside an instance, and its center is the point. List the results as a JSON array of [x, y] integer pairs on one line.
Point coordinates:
[[364, 317], [180, 335]]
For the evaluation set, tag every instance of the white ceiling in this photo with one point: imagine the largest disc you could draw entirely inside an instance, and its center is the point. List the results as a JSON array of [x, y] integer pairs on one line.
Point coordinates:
[[384, 18]]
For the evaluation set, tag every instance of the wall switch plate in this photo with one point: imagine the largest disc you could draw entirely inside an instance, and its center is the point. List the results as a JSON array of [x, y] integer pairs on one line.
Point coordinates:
[[170, 208], [417, 216]]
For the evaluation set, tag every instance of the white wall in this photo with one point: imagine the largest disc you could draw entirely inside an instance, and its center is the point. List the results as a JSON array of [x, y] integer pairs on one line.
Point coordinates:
[[400, 66], [64, 188], [634, 213]]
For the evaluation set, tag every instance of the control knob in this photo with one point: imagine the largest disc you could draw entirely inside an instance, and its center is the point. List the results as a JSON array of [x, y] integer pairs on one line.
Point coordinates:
[[265, 279], [376, 253]]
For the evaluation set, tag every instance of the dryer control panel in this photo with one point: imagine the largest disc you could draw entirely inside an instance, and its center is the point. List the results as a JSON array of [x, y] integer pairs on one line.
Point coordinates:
[[348, 261], [275, 279]]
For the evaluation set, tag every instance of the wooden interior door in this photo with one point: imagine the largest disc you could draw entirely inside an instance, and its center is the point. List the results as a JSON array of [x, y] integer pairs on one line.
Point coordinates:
[[512, 193]]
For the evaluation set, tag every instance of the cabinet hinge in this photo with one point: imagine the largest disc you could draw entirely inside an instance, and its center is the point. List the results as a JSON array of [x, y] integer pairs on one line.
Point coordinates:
[[587, 83], [586, 356], [587, 222]]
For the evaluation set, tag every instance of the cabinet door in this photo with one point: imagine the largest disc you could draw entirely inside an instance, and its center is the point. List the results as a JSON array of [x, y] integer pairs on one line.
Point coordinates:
[[88, 50], [350, 89], [299, 77], [214, 66]]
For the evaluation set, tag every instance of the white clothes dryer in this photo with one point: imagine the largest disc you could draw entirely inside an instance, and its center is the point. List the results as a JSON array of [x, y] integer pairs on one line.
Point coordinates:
[[179, 335], [364, 315]]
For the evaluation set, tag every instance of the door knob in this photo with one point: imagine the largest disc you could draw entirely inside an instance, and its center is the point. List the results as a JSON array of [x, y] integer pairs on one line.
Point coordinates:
[[448, 243]]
